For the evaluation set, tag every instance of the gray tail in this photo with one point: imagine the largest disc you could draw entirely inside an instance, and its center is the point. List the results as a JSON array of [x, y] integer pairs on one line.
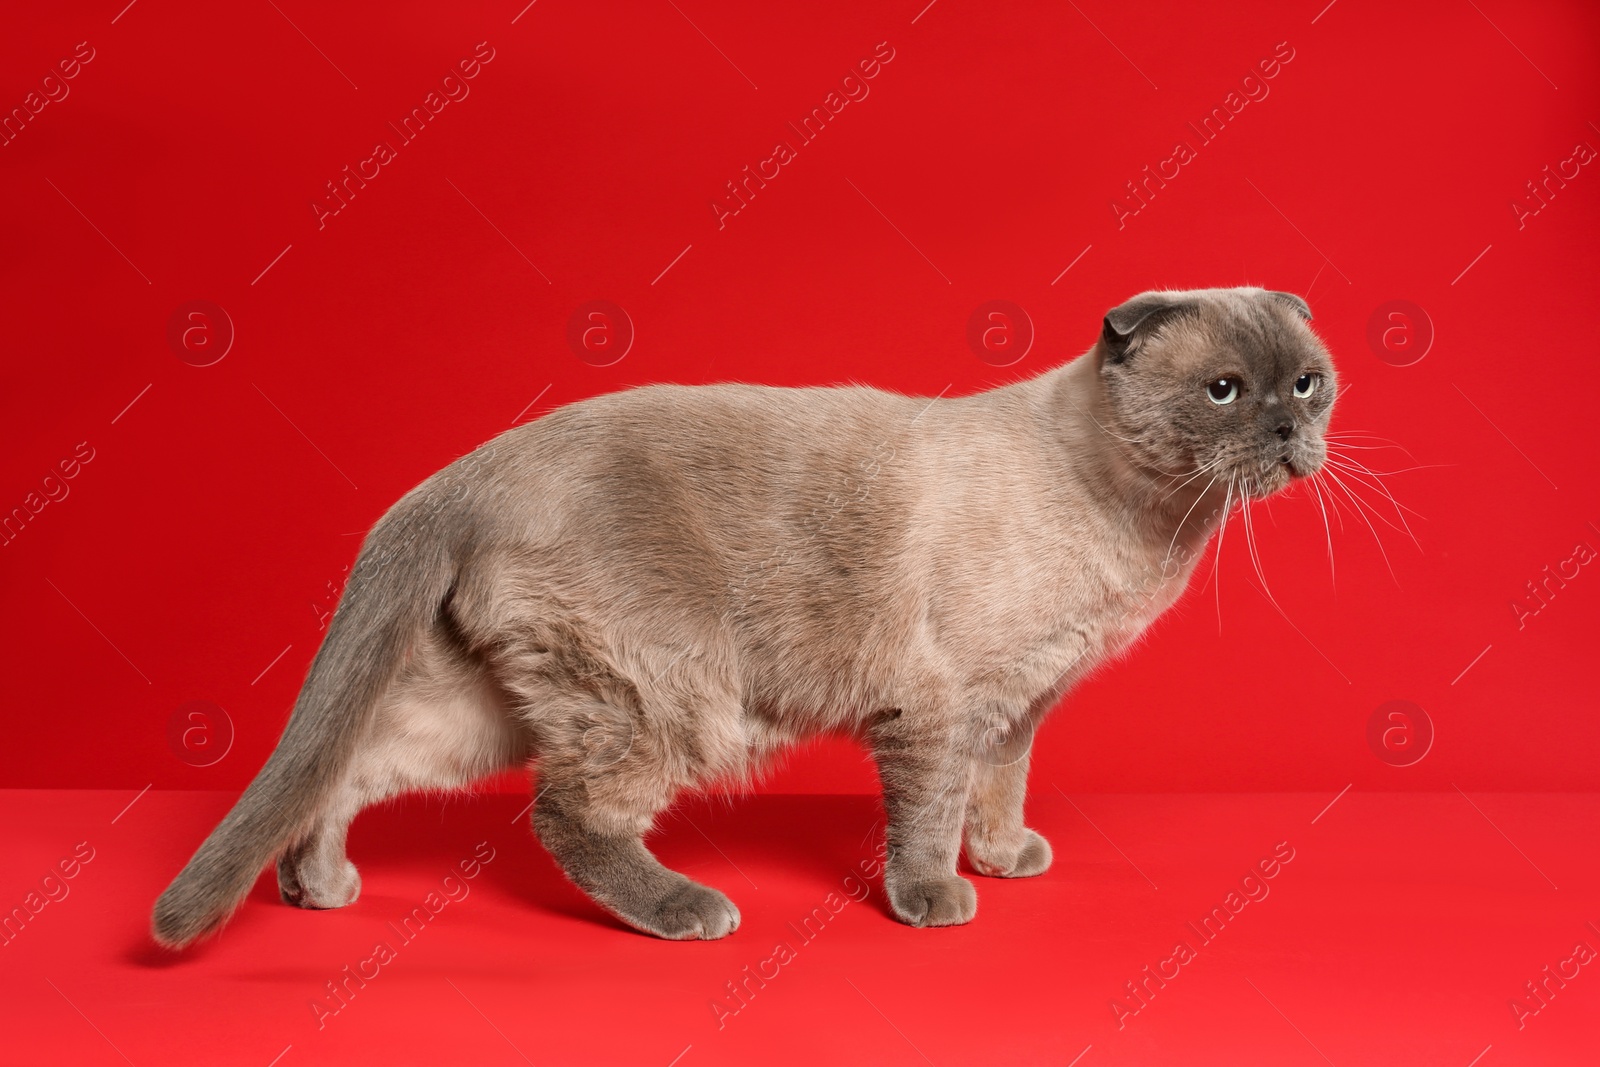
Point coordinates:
[[400, 581]]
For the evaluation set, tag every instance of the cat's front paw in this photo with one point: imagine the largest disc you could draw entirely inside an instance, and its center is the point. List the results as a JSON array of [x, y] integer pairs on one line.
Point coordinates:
[[1030, 856], [933, 901]]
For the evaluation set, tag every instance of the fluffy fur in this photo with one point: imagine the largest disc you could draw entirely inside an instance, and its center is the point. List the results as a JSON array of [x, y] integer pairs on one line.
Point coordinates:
[[656, 589]]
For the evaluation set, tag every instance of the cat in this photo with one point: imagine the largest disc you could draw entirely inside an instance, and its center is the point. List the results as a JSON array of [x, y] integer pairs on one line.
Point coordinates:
[[661, 588]]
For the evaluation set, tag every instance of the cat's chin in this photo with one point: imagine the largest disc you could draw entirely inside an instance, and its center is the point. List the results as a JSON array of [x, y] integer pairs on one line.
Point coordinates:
[[1298, 469], [1259, 486]]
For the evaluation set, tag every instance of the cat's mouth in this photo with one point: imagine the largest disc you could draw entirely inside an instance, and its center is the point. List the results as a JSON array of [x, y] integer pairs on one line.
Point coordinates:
[[1301, 463], [1272, 476], [1274, 472]]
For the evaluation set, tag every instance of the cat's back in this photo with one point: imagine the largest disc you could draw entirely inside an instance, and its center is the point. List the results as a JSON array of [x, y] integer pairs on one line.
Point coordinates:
[[729, 417], [726, 458], [739, 436]]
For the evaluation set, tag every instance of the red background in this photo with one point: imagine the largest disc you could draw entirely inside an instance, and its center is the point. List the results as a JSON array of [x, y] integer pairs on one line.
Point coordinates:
[[222, 506], [407, 331]]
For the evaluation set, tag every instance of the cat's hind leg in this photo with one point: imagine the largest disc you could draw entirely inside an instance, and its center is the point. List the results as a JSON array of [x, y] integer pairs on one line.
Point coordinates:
[[313, 872], [608, 860], [443, 723], [605, 772], [620, 723]]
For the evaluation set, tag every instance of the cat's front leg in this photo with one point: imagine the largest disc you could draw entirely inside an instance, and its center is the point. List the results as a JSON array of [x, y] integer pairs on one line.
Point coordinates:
[[998, 844], [926, 770]]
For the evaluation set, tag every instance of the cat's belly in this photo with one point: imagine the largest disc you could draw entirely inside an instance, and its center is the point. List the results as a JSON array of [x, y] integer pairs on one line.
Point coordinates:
[[798, 689]]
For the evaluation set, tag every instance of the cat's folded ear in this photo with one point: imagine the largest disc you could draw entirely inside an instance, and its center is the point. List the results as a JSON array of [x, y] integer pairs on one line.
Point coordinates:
[[1292, 302], [1127, 323]]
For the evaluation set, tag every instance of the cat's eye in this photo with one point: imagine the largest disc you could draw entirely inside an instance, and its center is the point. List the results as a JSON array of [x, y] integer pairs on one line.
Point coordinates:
[[1223, 391], [1305, 385]]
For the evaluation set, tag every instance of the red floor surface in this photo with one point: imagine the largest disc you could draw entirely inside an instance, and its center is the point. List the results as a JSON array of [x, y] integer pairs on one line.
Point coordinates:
[[1402, 929]]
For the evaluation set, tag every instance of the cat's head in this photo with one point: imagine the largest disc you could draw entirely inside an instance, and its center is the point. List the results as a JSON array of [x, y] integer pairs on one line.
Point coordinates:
[[1229, 381]]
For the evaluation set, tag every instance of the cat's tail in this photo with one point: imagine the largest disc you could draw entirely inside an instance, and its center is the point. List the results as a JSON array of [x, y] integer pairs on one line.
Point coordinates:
[[402, 577]]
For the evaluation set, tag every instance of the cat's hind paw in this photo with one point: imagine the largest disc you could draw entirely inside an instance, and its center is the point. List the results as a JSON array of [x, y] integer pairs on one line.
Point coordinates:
[[306, 887], [692, 912]]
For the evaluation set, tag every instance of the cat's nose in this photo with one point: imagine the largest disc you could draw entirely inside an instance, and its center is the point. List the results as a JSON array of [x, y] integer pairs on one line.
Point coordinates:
[[1277, 419]]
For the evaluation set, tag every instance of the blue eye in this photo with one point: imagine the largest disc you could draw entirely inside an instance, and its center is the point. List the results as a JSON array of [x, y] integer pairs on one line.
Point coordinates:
[[1223, 391], [1305, 385]]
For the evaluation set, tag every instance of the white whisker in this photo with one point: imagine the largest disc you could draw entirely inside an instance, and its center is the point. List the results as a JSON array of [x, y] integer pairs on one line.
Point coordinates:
[[1216, 562], [1364, 477], [1405, 470], [1333, 501], [1363, 435], [1186, 514], [1255, 557], [1103, 428], [1352, 463], [1209, 466], [1361, 513], [1327, 532]]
